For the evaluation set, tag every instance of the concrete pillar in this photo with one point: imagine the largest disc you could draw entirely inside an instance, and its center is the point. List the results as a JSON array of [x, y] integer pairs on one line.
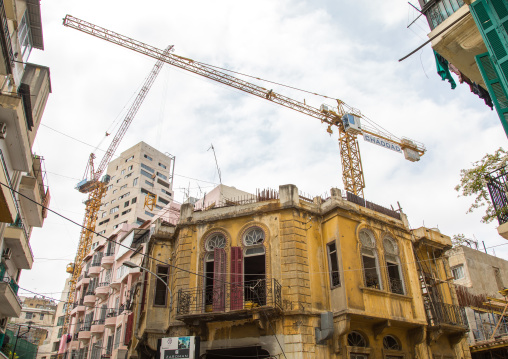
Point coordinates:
[[288, 195], [186, 212]]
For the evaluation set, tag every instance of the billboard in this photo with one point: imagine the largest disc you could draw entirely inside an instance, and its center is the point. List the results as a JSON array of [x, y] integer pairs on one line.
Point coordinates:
[[178, 347]]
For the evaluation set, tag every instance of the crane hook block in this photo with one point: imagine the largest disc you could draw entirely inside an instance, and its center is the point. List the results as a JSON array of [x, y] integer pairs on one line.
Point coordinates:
[[352, 124]]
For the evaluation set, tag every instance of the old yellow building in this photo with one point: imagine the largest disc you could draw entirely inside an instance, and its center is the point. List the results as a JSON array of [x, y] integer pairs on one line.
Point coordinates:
[[281, 275]]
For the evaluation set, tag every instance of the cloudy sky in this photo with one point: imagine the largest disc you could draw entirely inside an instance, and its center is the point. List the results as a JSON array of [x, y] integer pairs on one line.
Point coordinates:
[[342, 49]]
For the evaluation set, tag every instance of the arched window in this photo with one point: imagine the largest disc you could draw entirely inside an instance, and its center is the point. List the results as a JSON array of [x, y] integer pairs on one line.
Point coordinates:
[[254, 266], [370, 260], [356, 339], [215, 272], [393, 267], [391, 343]]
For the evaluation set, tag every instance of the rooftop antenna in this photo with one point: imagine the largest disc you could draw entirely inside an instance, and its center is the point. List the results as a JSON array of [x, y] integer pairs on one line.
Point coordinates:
[[218, 169]]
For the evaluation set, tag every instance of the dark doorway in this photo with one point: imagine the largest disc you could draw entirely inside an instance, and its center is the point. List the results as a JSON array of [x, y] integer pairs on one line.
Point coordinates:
[[254, 280], [253, 352]]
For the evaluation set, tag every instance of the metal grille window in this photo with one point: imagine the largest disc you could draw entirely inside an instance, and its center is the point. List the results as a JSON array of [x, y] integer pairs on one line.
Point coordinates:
[[161, 290], [333, 265], [458, 272]]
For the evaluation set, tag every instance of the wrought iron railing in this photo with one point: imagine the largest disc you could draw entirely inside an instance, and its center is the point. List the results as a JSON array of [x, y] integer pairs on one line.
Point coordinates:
[[96, 263], [98, 321], [230, 297], [396, 286], [444, 313], [6, 278], [438, 11], [111, 313], [103, 284], [85, 327], [498, 185]]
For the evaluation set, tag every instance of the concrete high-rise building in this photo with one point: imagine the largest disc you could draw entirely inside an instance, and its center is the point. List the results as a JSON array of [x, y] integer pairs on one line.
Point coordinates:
[[24, 91], [137, 172]]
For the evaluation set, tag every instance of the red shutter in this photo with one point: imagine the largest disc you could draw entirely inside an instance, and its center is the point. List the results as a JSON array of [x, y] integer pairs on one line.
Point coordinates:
[[219, 279], [236, 278], [128, 329]]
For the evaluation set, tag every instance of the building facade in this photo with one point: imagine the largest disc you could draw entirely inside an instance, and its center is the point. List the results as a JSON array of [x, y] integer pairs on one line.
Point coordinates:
[[283, 275], [481, 281], [137, 172], [49, 349], [24, 91]]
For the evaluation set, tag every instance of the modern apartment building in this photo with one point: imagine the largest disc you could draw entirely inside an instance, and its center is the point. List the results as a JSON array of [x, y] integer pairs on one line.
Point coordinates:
[[24, 91], [472, 38], [49, 349], [481, 281], [137, 172], [279, 275]]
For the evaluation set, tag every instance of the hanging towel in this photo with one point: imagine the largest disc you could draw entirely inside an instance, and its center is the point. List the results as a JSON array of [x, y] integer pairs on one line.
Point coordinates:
[[442, 69]]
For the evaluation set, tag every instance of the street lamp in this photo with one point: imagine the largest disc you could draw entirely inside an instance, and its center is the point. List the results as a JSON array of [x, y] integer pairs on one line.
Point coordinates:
[[130, 264]]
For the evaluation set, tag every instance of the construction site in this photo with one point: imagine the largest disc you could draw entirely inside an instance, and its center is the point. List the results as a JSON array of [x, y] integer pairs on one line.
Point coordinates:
[[222, 269]]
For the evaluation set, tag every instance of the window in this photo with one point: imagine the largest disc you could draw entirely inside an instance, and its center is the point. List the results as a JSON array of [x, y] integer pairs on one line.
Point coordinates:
[[391, 343], [28, 315], [127, 176], [162, 183], [162, 200], [254, 236], [24, 37], [134, 200], [135, 181], [109, 347], [60, 321], [126, 204], [146, 174], [124, 186], [161, 289], [217, 240], [41, 316], [110, 186], [165, 192], [149, 214], [113, 201], [149, 183], [115, 191], [129, 159], [130, 168], [356, 339], [333, 265], [393, 266], [123, 172], [56, 345], [370, 260], [148, 168], [105, 221], [162, 165], [60, 330], [215, 273], [148, 157], [458, 272], [125, 212], [103, 214], [124, 195], [162, 176], [116, 216], [118, 334], [113, 210]]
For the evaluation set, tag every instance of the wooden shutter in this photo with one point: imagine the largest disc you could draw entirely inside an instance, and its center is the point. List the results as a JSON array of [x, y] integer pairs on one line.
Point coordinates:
[[497, 91], [491, 17], [128, 329], [236, 297], [219, 279]]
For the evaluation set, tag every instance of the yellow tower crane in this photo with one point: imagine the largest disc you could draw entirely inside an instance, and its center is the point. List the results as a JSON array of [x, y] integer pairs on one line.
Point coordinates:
[[97, 188], [347, 119]]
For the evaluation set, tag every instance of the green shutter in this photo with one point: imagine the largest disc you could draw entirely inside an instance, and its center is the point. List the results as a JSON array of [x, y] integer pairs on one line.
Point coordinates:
[[496, 89], [491, 17]]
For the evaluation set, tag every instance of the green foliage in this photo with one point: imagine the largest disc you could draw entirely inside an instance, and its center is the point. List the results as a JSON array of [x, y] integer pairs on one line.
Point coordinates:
[[473, 182]]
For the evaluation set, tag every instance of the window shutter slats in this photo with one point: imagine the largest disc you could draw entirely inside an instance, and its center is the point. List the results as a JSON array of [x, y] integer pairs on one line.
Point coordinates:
[[219, 279], [236, 278]]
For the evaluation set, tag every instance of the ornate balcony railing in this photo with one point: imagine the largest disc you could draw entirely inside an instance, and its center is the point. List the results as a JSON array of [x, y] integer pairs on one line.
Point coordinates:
[[437, 11], [444, 313], [230, 297], [396, 286]]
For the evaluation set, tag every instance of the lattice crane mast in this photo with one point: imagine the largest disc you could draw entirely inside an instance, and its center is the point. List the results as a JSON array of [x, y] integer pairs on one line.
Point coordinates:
[[344, 117], [97, 188]]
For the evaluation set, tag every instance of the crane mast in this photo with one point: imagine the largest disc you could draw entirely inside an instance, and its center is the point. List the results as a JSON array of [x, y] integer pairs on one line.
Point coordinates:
[[352, 170], [96, 188]]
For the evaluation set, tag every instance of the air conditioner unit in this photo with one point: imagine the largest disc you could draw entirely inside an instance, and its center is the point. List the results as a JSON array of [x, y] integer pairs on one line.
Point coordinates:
[[3, 129], [7, 253]]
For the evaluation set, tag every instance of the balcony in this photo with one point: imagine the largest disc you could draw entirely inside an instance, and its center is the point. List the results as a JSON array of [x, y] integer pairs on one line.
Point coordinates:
[[17, 240], [10, 305], [33, 187], [229, 302], [17, 141], [84, 333], [95, 269], [8, 209], [89, 299], [82, 280], [108, 260], [110, 321], [97, 328], [448, 317], [432, 238], [102, 290]]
